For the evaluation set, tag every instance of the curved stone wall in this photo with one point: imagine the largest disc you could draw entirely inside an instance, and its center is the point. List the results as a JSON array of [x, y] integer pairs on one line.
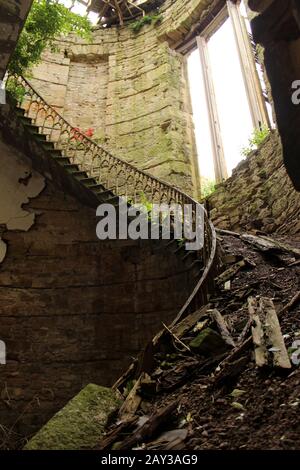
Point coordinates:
[[259, 195], [73, 310], [132, 89]]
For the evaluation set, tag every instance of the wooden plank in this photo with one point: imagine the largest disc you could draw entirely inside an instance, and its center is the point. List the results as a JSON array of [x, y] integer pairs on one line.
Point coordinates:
[[274, 335], [267, 244], [132, 402], [126, 376], [147, 431], [260, 350], [260, 243], [222, 327], [231, 272], [187, 323]]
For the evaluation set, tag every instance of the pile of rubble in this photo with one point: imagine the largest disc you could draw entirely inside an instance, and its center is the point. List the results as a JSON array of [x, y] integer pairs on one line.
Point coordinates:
[[213, 370]]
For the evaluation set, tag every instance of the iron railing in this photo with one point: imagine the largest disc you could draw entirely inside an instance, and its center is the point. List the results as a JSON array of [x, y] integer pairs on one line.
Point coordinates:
[[120, 177]]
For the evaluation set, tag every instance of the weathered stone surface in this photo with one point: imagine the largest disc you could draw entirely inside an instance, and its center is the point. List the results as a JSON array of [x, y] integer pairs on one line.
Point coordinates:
[[132, 90], [208, 342], [73, 310], [80, 424], [13, 14], [259, 195]]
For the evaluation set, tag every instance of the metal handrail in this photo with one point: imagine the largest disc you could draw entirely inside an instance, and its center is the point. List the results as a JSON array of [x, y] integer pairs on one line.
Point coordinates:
[[118, 176]]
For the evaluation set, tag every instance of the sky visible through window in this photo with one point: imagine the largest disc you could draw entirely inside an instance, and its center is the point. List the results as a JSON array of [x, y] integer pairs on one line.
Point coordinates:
[[233, 109], [234, 113]]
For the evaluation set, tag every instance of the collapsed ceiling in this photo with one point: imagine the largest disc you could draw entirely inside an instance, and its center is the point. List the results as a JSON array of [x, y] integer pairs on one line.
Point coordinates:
[[119, 11]]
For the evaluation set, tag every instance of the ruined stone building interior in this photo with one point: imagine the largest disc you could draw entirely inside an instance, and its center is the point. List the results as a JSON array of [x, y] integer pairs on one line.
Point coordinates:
[[143, 344]]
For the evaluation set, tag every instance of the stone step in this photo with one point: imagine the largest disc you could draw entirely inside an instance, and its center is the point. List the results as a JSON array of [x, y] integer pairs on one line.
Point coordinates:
[[54, 153], [27, 121], [88, 181], [71, 167], [80, 175], [39, 137], [98, 188], [48, 146], [20, 112], [115, 200], [62, 160]]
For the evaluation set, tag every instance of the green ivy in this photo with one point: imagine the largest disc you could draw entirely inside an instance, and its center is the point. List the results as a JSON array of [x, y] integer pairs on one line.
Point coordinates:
[[15, 90], [207, 188], [258, 136], [136, 26], [46, 21]]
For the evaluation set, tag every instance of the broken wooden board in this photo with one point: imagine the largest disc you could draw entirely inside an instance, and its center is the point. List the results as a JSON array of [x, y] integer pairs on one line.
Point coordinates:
[[227, 233], [148, 430], [189, 322], [267, 244], [230, 273], [116, 433], [274, 335], [267, 336], [126, 376], [132, 402], [290, 305], [222, 327], [260, 349], [170, 440]]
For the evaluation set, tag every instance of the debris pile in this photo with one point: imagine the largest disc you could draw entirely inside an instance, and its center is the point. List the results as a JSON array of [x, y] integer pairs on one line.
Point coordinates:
[[227, 375]]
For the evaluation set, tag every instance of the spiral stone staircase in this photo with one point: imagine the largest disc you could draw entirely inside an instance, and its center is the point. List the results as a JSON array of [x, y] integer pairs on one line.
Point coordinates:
[[91, 173]]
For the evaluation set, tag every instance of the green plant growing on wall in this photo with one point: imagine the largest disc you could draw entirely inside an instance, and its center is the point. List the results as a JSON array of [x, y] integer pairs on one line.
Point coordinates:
[[15, 90], [207, 188], [258, 136], [137, 25], [46, 21]]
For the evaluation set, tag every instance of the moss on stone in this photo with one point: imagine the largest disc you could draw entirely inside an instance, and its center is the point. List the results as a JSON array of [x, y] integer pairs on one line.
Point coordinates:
[[80, 423], [208, 342]]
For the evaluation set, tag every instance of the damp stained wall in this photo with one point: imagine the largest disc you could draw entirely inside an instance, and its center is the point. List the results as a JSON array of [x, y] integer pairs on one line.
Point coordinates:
[[135, 85]]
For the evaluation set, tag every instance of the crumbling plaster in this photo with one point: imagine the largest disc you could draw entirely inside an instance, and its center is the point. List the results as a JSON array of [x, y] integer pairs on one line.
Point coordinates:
[[18, 184]]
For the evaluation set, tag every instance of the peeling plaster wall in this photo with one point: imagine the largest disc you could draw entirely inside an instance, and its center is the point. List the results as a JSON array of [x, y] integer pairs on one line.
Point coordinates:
[[18, 184], [73, 310], [147, 117]]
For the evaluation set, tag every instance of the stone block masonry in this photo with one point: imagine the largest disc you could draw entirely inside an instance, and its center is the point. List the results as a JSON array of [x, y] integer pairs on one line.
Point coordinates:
[[73, 310], [259, 195], [132, 89]]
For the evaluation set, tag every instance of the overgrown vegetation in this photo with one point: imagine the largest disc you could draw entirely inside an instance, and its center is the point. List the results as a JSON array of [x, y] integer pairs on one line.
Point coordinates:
[[207, 188], [154, 19], [46, 21], [258, 136], [15, 90]]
